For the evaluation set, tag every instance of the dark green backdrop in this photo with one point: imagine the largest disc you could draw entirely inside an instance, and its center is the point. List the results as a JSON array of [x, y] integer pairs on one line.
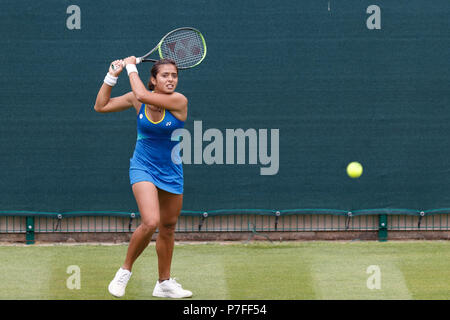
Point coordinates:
[[337, 92]]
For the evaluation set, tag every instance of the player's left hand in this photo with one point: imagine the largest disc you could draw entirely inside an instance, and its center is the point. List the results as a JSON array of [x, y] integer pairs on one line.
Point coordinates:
[[118, 67]]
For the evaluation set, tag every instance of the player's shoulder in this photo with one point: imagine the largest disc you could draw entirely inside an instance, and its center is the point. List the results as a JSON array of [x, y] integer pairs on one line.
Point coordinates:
[[180, 96], [133, 100]]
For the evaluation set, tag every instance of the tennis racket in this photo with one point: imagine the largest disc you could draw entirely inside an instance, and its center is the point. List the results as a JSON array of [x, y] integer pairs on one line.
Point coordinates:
[[186, 46]]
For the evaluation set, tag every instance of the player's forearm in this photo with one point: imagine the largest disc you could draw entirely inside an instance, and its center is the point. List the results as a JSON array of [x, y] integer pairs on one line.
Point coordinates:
[[103, 96], [137, 86]]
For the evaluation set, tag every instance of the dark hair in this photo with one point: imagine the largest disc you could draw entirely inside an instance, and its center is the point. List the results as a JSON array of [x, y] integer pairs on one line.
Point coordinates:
[[155, 69]]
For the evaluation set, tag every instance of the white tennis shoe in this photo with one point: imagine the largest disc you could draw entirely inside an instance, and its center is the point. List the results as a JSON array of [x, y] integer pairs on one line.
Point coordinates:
[[119, 283], [170, 289]]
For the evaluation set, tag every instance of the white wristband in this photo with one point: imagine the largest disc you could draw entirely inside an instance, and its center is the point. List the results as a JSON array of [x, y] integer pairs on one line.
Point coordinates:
[[131, 68], [110, 80]]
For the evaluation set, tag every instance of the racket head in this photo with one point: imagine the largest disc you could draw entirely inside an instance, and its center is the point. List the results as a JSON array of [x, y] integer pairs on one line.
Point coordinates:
[[186, 46]]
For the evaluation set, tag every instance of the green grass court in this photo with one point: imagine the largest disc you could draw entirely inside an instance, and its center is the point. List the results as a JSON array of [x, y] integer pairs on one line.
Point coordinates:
[[290, 270]]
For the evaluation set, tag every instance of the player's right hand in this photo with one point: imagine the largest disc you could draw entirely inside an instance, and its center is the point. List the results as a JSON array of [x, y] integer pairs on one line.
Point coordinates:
[[118, 67]]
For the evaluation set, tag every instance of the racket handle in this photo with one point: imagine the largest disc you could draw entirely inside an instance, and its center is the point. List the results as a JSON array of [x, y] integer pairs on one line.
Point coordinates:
[[138, 60], [112, 66]]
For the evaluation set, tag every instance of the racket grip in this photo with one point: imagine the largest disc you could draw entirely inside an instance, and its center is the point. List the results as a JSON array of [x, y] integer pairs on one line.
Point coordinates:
[[138, 60]]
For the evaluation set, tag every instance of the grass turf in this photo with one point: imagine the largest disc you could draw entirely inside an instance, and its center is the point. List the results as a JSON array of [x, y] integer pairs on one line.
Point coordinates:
[[290, 270]]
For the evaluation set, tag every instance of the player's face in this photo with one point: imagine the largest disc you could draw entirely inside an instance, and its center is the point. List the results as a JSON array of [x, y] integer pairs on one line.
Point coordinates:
[[166, 79]]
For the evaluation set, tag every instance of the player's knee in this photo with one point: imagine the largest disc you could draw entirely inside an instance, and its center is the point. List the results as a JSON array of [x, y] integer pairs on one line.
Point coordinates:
[[167, 228], [149, 226]]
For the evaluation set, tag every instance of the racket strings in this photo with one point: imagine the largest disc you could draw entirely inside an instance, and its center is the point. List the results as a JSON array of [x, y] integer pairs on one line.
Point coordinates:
[[185, 47]]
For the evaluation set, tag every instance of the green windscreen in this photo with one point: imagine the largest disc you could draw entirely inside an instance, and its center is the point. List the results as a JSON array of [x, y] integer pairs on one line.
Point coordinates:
[[339, 82]]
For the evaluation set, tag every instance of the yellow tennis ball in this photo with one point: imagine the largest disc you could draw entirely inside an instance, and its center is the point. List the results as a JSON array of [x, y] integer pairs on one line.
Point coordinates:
[[354, 169]]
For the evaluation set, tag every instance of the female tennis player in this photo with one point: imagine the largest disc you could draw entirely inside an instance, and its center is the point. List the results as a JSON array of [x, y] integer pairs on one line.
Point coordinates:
[[156, 179]]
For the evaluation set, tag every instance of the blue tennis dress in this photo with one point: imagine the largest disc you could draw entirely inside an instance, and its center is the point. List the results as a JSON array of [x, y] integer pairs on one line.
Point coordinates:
[[156, 157]]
